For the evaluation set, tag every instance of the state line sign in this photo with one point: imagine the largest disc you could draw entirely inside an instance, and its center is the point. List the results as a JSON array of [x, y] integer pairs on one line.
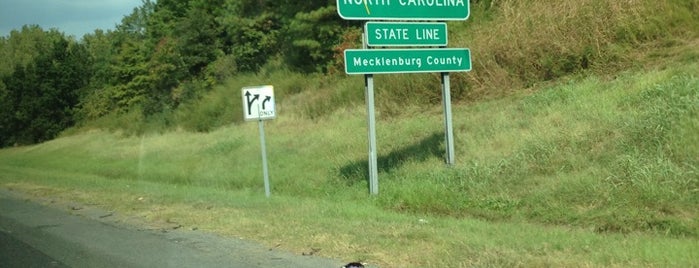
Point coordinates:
[[403, 9], [403, 34], [429, 60]]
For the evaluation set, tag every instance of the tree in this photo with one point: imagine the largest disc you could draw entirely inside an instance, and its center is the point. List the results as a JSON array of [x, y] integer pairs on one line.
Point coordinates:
[[199, 35], [252, 33], [40, 98], [311, 37], [24, 46]]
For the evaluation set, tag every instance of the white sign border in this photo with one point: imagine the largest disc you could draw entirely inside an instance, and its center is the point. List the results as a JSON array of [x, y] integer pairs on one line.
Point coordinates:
[[446, 34], [268, 91]]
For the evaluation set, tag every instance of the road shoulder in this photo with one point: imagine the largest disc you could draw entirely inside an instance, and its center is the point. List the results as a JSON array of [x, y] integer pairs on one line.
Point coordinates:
[[82, 236]]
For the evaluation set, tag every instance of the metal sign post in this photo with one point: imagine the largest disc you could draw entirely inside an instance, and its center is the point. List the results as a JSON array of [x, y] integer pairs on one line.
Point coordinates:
[[258, 105], [448, 126], [265, 171], [371, 129], [371, 118], [400, 60]]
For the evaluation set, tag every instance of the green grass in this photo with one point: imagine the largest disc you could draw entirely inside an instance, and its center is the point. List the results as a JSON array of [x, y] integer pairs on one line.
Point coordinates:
[[576, 145], [590, 171], [516, 46]]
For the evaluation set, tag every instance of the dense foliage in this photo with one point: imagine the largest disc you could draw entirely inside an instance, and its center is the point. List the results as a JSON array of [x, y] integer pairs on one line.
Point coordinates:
[[38, 98], [160, 64], [161, 55]]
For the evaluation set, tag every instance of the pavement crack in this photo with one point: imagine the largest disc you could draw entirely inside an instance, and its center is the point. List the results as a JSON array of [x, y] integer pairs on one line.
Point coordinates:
[[46, 226]]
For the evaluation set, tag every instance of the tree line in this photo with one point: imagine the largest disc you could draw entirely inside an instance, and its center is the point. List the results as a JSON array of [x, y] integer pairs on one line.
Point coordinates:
[[163, 54]]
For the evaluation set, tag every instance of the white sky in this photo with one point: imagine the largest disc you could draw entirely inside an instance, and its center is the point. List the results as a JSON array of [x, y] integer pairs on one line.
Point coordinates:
[[73, 17]]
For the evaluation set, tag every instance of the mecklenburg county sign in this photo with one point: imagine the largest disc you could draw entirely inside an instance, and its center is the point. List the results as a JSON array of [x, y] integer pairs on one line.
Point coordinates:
[[430, 60], [403, 9]]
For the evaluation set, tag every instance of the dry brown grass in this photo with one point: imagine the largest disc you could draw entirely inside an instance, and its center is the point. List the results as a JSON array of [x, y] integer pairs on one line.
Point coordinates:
[[528, 42]]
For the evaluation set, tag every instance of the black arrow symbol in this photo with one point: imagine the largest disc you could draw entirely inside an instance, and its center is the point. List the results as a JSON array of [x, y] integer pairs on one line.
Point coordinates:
[[250, 101], [268, 98]]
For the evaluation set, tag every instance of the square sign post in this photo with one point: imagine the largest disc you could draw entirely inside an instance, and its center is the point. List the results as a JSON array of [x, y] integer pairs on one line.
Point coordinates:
[[258, 105]]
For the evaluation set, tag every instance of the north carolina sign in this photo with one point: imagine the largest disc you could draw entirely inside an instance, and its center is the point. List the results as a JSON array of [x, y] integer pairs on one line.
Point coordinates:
[[403, 9]]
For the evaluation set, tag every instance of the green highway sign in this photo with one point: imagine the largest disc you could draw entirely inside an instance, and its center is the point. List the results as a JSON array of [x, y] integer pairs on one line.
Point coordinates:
[[403, 9], [406, 34], [430, 60]]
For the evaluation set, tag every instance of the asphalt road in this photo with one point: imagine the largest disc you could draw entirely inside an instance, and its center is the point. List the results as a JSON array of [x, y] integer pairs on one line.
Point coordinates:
[[34, 235], [15, 253]]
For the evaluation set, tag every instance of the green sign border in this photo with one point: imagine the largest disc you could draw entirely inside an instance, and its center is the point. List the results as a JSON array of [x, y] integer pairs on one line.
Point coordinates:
[[373, 42], [399, 12], [386, 58]]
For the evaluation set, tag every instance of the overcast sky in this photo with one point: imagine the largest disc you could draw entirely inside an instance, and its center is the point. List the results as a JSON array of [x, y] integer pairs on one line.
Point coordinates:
[[73, 17]]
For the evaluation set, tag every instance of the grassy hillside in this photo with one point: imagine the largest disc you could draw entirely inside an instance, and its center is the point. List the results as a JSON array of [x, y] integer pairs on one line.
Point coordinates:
[[594, 157], [517, 46], [576, 145]]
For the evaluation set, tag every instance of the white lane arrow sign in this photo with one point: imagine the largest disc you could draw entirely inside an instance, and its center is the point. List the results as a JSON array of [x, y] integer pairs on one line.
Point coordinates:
[[258, 103]]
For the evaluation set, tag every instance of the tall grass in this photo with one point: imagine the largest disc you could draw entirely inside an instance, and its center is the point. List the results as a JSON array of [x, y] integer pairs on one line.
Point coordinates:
[[521, 44], [526, 42], [590, 154], [613, 156], [516, 45], [595, 154], [571, 140]]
